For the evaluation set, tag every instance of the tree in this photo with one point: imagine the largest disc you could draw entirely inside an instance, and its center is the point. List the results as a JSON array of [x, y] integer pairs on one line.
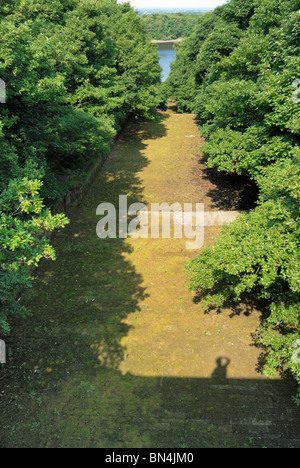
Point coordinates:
[[74, 70]]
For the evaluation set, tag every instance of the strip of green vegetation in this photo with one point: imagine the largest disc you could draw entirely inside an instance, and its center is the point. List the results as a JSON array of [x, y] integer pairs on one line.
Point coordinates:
[[170, 26]]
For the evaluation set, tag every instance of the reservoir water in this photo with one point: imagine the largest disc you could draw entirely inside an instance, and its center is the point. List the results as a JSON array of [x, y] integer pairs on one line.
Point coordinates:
[[167, 55]]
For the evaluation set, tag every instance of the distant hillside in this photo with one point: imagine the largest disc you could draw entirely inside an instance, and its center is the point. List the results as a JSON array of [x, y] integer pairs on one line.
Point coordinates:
[[166, 26]]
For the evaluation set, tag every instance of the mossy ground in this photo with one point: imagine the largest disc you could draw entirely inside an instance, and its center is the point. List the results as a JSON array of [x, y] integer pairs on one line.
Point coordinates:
[[116, 353]]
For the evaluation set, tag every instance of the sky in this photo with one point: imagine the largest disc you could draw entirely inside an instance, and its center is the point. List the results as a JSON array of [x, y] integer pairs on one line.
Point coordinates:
[[173, 4]]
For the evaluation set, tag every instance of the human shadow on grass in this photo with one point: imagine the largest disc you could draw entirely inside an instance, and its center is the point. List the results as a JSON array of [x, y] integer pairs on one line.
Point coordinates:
[[247, 305]]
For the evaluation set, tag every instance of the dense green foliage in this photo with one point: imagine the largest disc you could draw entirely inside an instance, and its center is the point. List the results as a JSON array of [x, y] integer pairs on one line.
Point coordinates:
[[239, 72], [170, 26], [74, 70]]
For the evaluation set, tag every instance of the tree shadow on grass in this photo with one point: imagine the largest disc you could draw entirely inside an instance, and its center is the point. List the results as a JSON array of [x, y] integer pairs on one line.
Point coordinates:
[[231, 191]]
